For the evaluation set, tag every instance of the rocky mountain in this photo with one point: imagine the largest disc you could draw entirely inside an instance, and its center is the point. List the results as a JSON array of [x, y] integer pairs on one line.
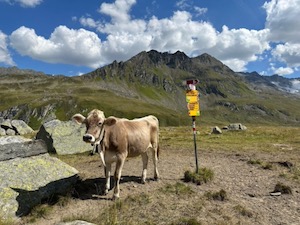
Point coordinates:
[[15, 70], [274, 82], [152, 83]]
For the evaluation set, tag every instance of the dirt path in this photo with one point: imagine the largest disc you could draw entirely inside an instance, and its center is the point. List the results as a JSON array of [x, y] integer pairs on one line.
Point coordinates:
[[247, 186]]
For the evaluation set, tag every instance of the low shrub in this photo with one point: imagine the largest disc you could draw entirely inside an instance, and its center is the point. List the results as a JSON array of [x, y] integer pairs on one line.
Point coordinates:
[[219, 195], [203, 175]]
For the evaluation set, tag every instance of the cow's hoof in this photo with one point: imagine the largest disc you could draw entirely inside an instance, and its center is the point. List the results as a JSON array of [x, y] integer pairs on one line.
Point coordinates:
[[143, 181], [156, 178]]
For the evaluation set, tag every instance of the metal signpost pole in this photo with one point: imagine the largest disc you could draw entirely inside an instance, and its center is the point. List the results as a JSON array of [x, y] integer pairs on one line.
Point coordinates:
[[192, 99], [195, 143]]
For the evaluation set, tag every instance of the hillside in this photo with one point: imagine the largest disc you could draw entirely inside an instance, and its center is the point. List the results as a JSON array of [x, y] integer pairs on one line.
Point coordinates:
[[150, 83]]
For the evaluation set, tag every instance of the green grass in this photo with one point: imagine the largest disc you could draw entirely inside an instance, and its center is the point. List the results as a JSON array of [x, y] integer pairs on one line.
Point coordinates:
[[203, 175], [178, 189]]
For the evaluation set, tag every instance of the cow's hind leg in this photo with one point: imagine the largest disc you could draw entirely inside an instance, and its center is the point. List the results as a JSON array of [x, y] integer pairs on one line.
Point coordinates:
[[118, 172], [155, 162], [145, 165]]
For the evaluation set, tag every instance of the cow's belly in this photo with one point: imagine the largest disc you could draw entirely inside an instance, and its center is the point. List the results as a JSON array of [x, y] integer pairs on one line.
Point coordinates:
[[136, 150]]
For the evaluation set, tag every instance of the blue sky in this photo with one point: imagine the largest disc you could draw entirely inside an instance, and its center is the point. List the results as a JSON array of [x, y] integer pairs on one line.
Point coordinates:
[[78, 36]]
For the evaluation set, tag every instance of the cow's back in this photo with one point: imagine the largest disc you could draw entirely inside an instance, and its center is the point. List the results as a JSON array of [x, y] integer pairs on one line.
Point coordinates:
[[135, 136]]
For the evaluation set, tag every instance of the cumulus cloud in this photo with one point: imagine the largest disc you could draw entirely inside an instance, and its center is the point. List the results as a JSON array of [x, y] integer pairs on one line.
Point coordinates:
[[5, 56], [126, 36], [283, 71], [24, 3], [282, 21], [288, 53], [77, 47]]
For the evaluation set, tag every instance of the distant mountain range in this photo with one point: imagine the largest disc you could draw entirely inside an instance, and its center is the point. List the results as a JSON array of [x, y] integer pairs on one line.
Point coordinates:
[[152, 83]]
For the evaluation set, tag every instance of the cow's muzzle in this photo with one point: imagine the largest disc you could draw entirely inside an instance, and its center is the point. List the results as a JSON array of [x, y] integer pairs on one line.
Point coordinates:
[[88, 138]]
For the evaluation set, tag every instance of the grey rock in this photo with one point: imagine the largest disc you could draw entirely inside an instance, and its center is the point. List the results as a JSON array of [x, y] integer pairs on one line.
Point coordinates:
[[6, 124], [2, 131], [11, 150], [25, 182], [236, 126], [21, 127], [63, 137], [216, 130], [13, 139], [10, 131]]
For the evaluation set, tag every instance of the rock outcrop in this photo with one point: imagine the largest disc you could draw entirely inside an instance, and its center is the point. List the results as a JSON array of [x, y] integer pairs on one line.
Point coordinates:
[[29, 175], [63, 137], [14, 127]]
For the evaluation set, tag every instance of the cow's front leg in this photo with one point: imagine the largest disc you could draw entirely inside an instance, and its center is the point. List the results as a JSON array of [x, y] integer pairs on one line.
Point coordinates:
[[118, 172], [145, 165], [107, 171]]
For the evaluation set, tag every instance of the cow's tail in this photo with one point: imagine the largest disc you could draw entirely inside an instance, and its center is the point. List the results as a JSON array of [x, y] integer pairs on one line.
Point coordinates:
[[157, 151]]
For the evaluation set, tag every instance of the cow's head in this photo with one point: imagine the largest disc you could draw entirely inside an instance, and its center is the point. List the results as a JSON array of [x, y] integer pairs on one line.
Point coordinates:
[[93, 122]]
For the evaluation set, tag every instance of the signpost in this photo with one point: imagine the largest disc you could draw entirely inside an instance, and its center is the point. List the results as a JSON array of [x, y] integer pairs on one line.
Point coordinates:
[[192, 99]]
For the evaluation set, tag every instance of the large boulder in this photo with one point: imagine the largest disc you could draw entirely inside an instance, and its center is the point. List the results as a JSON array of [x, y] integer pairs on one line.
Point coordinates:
[[63, 137], [27, 181], [17, 146]]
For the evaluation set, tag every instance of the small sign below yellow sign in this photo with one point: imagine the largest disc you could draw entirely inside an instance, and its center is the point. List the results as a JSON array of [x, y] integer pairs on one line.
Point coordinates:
[[192, 99]]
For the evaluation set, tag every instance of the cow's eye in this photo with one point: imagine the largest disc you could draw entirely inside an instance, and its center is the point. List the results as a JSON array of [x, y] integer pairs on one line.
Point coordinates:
[[100, 123]]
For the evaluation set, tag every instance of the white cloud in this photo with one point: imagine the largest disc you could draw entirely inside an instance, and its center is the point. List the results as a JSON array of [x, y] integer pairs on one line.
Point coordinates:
[[77, 47], [237, 47], [118, 11], [24, 3], [5, 56], [283, 71], [200, 11], [288, 53], [125, 37], [282, 20], [283, 23]]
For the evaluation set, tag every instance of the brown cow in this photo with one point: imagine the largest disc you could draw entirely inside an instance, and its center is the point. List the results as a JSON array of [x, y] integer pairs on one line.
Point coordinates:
[[121, 138]]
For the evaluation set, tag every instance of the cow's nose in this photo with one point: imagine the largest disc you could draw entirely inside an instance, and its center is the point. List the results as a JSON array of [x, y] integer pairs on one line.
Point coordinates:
[[87, 138]]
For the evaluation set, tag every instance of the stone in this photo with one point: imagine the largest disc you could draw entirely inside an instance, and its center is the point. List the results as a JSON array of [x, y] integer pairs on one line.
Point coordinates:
[[6, 124], [236, 126], [10, 131], [2, 131], [13, 139], [216, 130], [63, 137], [25, 182], [21, 127], [20, 147]]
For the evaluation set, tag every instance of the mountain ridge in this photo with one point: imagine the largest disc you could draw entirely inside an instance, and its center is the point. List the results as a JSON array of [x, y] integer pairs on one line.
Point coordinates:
[[152, 83]]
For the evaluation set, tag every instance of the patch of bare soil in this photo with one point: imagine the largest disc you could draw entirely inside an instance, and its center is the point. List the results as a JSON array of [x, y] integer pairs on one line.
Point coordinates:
[[247, 185]]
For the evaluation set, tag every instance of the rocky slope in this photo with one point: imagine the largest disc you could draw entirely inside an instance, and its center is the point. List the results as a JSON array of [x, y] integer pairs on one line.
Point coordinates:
[[151, 83]]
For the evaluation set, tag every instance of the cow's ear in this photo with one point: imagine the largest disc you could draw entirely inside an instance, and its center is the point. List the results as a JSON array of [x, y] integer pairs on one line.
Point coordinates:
[[78, 118], [110, 121]]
